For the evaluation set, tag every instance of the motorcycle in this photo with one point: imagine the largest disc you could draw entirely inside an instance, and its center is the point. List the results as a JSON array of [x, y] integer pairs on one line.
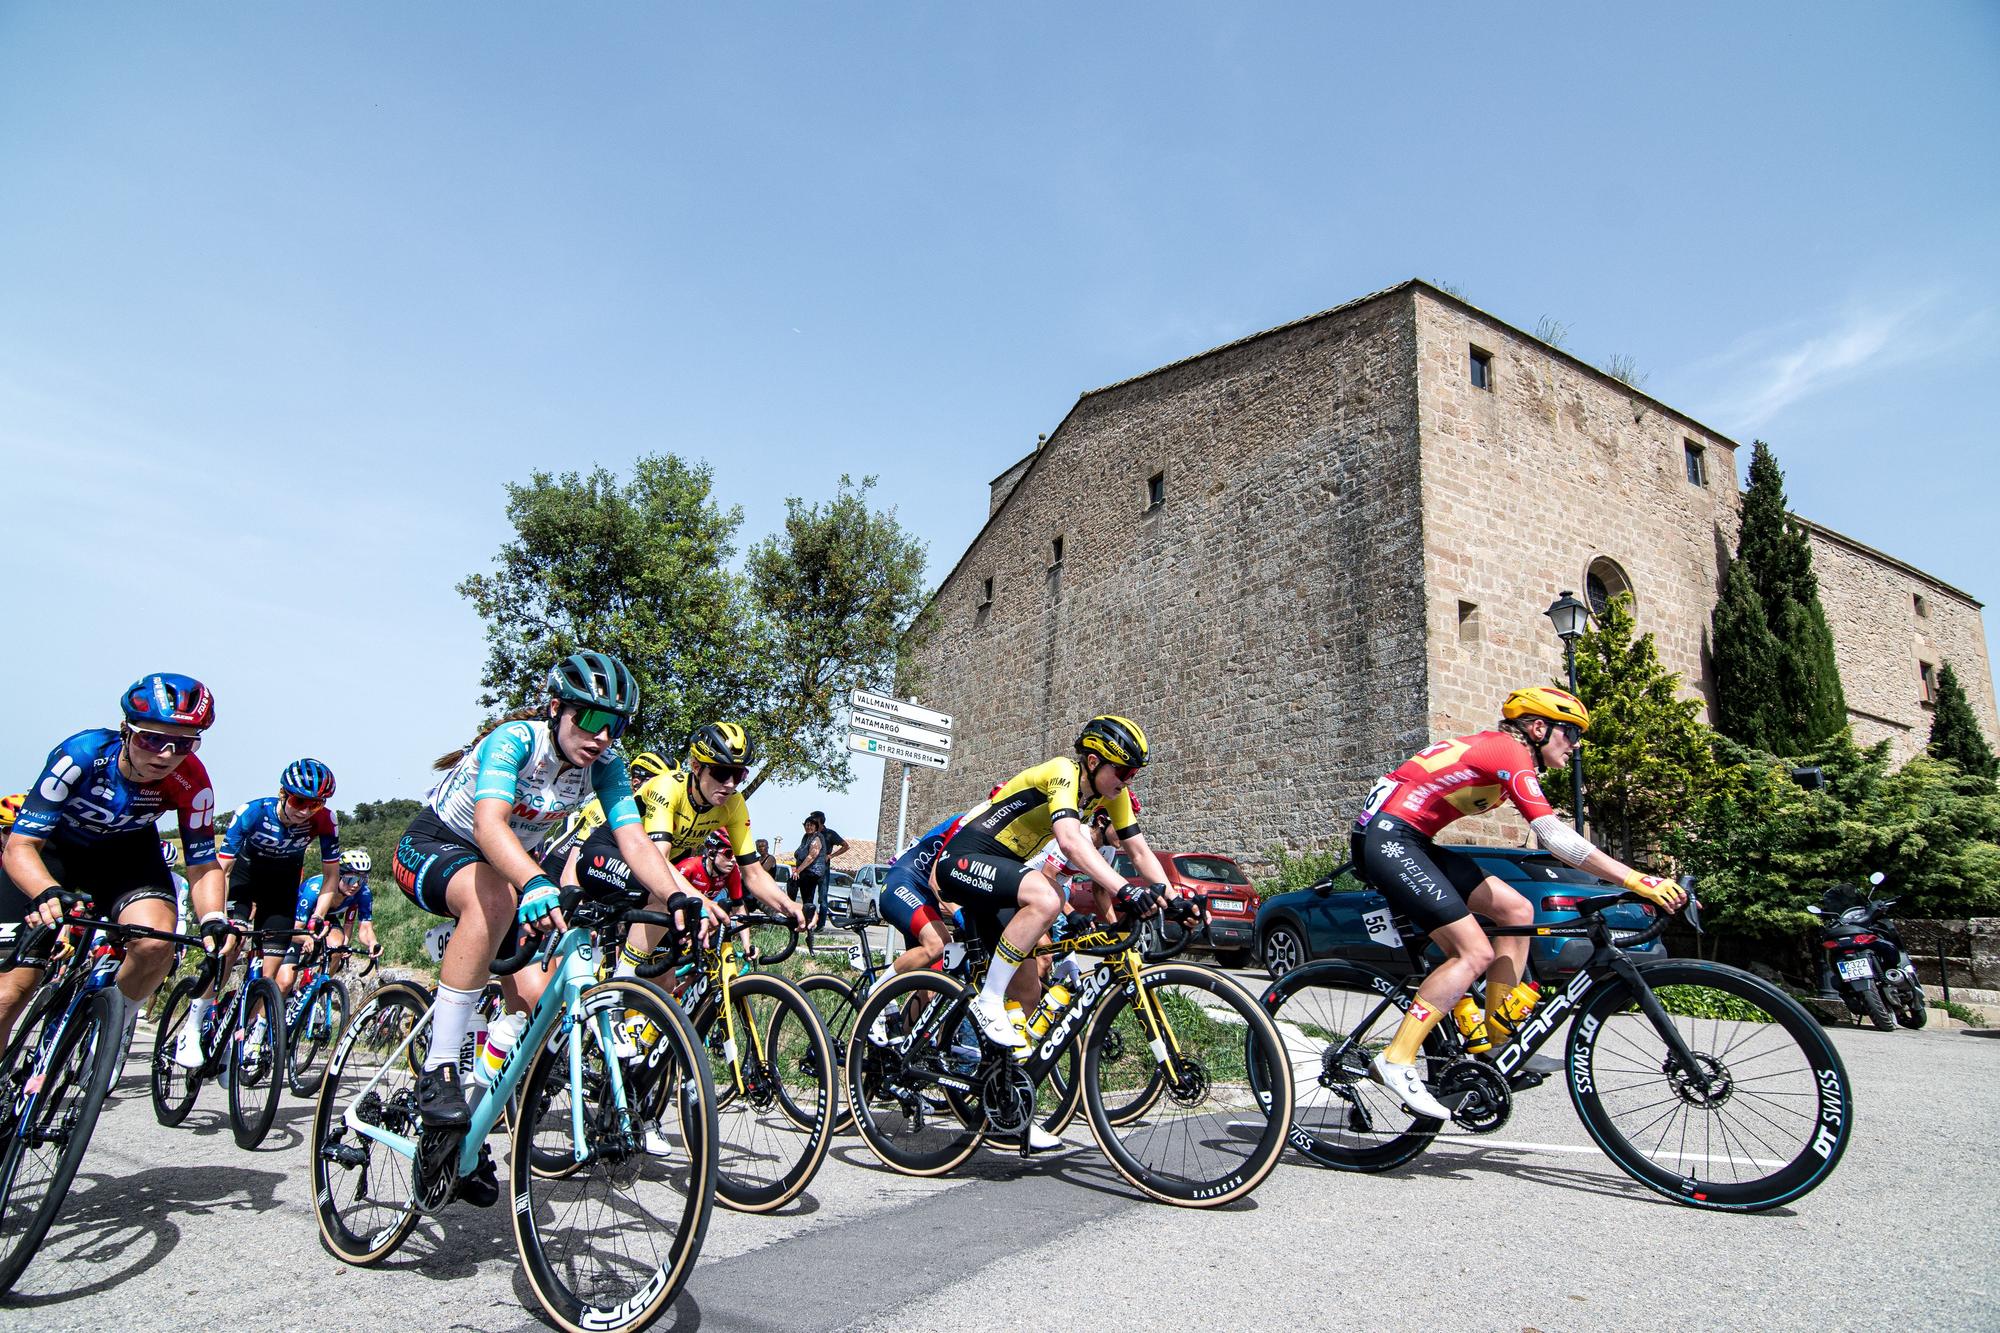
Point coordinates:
[[1863, 961]]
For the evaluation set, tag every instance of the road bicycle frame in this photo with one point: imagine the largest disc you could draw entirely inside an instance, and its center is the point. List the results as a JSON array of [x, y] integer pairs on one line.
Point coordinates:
[[574, 962]]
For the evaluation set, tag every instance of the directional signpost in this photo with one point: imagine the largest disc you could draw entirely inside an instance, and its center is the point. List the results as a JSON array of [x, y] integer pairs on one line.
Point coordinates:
[[902, 731]]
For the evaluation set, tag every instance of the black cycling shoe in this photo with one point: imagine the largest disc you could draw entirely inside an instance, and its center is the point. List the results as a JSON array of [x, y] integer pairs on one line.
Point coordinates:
[[440, 1101], [481, 1189]]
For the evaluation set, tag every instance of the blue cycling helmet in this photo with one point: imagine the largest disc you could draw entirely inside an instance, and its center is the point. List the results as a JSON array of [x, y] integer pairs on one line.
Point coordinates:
[[307, 779], [169, 697]]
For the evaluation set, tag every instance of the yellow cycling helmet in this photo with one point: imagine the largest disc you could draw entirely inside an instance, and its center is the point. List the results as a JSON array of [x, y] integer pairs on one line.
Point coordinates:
[[10, 808], [647, 764], [722, 743], [1117, 739], [1549, 702]]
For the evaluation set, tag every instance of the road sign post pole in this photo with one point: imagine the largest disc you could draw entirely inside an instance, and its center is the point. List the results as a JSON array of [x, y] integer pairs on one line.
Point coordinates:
[[902, 811]]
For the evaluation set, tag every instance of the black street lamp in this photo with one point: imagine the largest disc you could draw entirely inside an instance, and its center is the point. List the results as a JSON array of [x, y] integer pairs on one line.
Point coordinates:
[[1569, 616]]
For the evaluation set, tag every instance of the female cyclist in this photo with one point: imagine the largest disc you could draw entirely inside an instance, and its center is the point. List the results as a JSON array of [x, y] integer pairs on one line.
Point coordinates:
[[1439, 889]]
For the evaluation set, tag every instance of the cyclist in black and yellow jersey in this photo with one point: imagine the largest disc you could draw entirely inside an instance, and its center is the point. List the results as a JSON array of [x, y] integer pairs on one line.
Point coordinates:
[[984, 868], [678, 809]]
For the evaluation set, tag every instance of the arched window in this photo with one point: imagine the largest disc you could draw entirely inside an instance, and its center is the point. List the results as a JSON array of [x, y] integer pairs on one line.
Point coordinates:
[[1603, 581]]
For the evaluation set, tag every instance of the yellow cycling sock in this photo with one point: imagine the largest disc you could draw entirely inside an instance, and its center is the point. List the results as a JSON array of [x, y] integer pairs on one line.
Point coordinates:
[[1417, 1024]]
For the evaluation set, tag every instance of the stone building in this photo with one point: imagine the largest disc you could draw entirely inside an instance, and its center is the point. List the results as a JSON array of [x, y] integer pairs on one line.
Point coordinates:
[[1301, 556]]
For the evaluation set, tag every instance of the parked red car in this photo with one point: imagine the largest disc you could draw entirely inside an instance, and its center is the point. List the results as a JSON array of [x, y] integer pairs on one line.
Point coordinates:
[[1232, 902]]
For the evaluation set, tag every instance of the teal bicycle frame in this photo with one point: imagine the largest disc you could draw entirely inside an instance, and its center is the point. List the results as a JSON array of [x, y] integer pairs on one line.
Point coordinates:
[[574, 963]]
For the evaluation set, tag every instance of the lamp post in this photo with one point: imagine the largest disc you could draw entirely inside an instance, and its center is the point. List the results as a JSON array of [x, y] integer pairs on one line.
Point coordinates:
[[1569, 616]]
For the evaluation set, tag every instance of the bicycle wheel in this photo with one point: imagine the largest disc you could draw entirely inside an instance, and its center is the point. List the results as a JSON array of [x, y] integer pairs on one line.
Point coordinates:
[[1121, 1035], [364, 1191], [901, 1109], [769, 1144], [1763, 1118], [319, 1025], [174, 1086], [835, 1003], [45, 1149], [608, 1246], [1211, 1136], [1334, 1018], [259, 1073]]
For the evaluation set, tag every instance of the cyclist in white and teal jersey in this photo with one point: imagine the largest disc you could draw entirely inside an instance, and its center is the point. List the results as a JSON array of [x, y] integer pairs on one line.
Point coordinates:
[[470, 853]]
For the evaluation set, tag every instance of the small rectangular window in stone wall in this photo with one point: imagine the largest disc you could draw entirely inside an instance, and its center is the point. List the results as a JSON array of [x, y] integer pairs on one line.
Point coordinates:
[[1156, 490], [1482, 369], [1927, 674], [1697, 463], [1468, 624], [1923, 608]]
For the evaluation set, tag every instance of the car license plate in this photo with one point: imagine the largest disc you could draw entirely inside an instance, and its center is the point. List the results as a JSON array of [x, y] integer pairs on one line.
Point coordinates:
[[1225, 905], [1858, 969]]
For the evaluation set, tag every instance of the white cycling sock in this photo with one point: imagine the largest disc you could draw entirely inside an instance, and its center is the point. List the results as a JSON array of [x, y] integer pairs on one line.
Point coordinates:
[[1006, 961], [451, 1016]]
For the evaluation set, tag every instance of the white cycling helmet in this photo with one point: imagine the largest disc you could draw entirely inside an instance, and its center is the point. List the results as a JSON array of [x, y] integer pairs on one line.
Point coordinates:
[[357, 860]]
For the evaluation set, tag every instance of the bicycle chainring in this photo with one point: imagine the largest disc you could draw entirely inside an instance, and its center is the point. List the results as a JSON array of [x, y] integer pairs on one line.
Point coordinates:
[[437, 1169], [1008, 1098], [1478, 1095]]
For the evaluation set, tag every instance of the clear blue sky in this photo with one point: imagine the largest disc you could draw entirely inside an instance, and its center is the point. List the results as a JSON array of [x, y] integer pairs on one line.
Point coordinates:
[[287, 293]]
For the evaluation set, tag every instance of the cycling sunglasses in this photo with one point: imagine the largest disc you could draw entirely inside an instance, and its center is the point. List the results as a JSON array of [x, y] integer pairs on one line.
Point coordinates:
[[1571, 731], [593, 720], [159, 742], [729, 772], [1126, 772], [354, 881], [309, 804]]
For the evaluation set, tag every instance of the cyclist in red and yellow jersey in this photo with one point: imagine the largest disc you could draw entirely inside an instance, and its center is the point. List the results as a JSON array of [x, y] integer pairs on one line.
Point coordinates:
[[1439, 889]]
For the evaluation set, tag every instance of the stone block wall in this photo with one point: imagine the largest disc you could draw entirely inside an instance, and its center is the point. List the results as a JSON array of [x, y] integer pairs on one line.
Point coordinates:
[[1260, 623], [1971, 950], [1888, 620], [1526, 484]]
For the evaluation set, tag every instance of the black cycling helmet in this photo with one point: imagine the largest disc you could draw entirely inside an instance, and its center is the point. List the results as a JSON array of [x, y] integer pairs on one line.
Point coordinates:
[[595, 680], [1117, 739], [722, 743]]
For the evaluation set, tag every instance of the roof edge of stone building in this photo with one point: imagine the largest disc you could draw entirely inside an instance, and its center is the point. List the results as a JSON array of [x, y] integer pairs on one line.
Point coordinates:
[[1406, 285], [1905, 566], [1017, 462]]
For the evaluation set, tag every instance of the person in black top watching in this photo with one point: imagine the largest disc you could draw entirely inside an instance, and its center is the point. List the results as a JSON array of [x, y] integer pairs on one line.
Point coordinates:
[[814, 859]]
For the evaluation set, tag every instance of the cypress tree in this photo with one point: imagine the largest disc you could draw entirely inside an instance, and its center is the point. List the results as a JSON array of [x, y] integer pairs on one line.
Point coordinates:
[[1955, 733], [1796, 703]]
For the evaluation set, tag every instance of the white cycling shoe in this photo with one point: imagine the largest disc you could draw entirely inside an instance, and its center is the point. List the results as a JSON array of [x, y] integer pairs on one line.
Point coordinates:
[[1040, 1140], [991, 1015], [187, 1046], [1407, 1086]]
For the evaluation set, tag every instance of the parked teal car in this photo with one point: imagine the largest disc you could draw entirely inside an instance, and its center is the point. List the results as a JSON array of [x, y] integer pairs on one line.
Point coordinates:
[[1312, 923]]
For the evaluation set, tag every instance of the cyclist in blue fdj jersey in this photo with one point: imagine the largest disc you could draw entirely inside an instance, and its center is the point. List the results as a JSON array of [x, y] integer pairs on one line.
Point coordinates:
[[346, 906], [87, 834], [469, 853]]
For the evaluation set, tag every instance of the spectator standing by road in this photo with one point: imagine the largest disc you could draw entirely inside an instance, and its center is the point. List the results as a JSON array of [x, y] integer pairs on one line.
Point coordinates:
[[765, 859], [814, 859]]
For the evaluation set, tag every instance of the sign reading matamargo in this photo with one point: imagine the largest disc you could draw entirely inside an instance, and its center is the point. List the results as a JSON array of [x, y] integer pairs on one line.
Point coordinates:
[[901, 731], [896, 708]]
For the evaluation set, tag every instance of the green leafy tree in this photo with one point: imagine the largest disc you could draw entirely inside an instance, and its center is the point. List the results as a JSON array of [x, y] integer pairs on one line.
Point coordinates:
[[1955, 733], [838, 587], [1647, 757], [1799, 705], [638, 569]]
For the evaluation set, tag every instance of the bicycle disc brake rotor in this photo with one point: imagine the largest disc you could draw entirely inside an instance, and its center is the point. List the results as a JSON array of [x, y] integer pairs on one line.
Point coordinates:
[[1008, 1098], [1708, 1086], [1190, 1087], [1479, 1097]]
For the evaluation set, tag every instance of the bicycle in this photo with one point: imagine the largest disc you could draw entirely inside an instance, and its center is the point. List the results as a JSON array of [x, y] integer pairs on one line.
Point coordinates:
[[1706, 1084], [771, 1061], [1186, 1107], [243, 1043], [56, 1072], [315, 1013], [608, 1224]]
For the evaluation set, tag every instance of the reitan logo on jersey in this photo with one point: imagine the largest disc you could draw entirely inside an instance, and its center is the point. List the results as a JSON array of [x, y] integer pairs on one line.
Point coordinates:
[[597, 861], [964, 864]]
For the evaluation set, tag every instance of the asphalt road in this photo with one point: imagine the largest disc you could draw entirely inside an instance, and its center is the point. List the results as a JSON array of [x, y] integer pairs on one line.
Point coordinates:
[[1530, 1228]]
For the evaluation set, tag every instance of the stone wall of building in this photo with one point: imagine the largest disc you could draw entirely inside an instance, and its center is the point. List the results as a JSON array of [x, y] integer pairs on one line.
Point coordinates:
[[1528, 483], [1259, 623], [1889, 621]]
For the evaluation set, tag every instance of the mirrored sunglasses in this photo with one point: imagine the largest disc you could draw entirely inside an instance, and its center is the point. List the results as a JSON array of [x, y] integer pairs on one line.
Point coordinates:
[[159, 742], [309, 804], [1571, 731], [728, 772], [593, 720]]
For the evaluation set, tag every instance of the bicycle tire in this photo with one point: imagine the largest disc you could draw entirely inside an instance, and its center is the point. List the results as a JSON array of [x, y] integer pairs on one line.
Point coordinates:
[[1121, 1029], [835, 1003], [320, 1022], [618, 1163], [1183, 1150], [898, 1105], [1614, 1052], [95, 1036], [359, 1221], [174, 1088], [768, 1151], [255, 1087], [1334, 1017]]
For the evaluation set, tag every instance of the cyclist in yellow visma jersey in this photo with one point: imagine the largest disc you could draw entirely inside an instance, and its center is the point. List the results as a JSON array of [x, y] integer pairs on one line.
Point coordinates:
[[678, 810], [984, 867]]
